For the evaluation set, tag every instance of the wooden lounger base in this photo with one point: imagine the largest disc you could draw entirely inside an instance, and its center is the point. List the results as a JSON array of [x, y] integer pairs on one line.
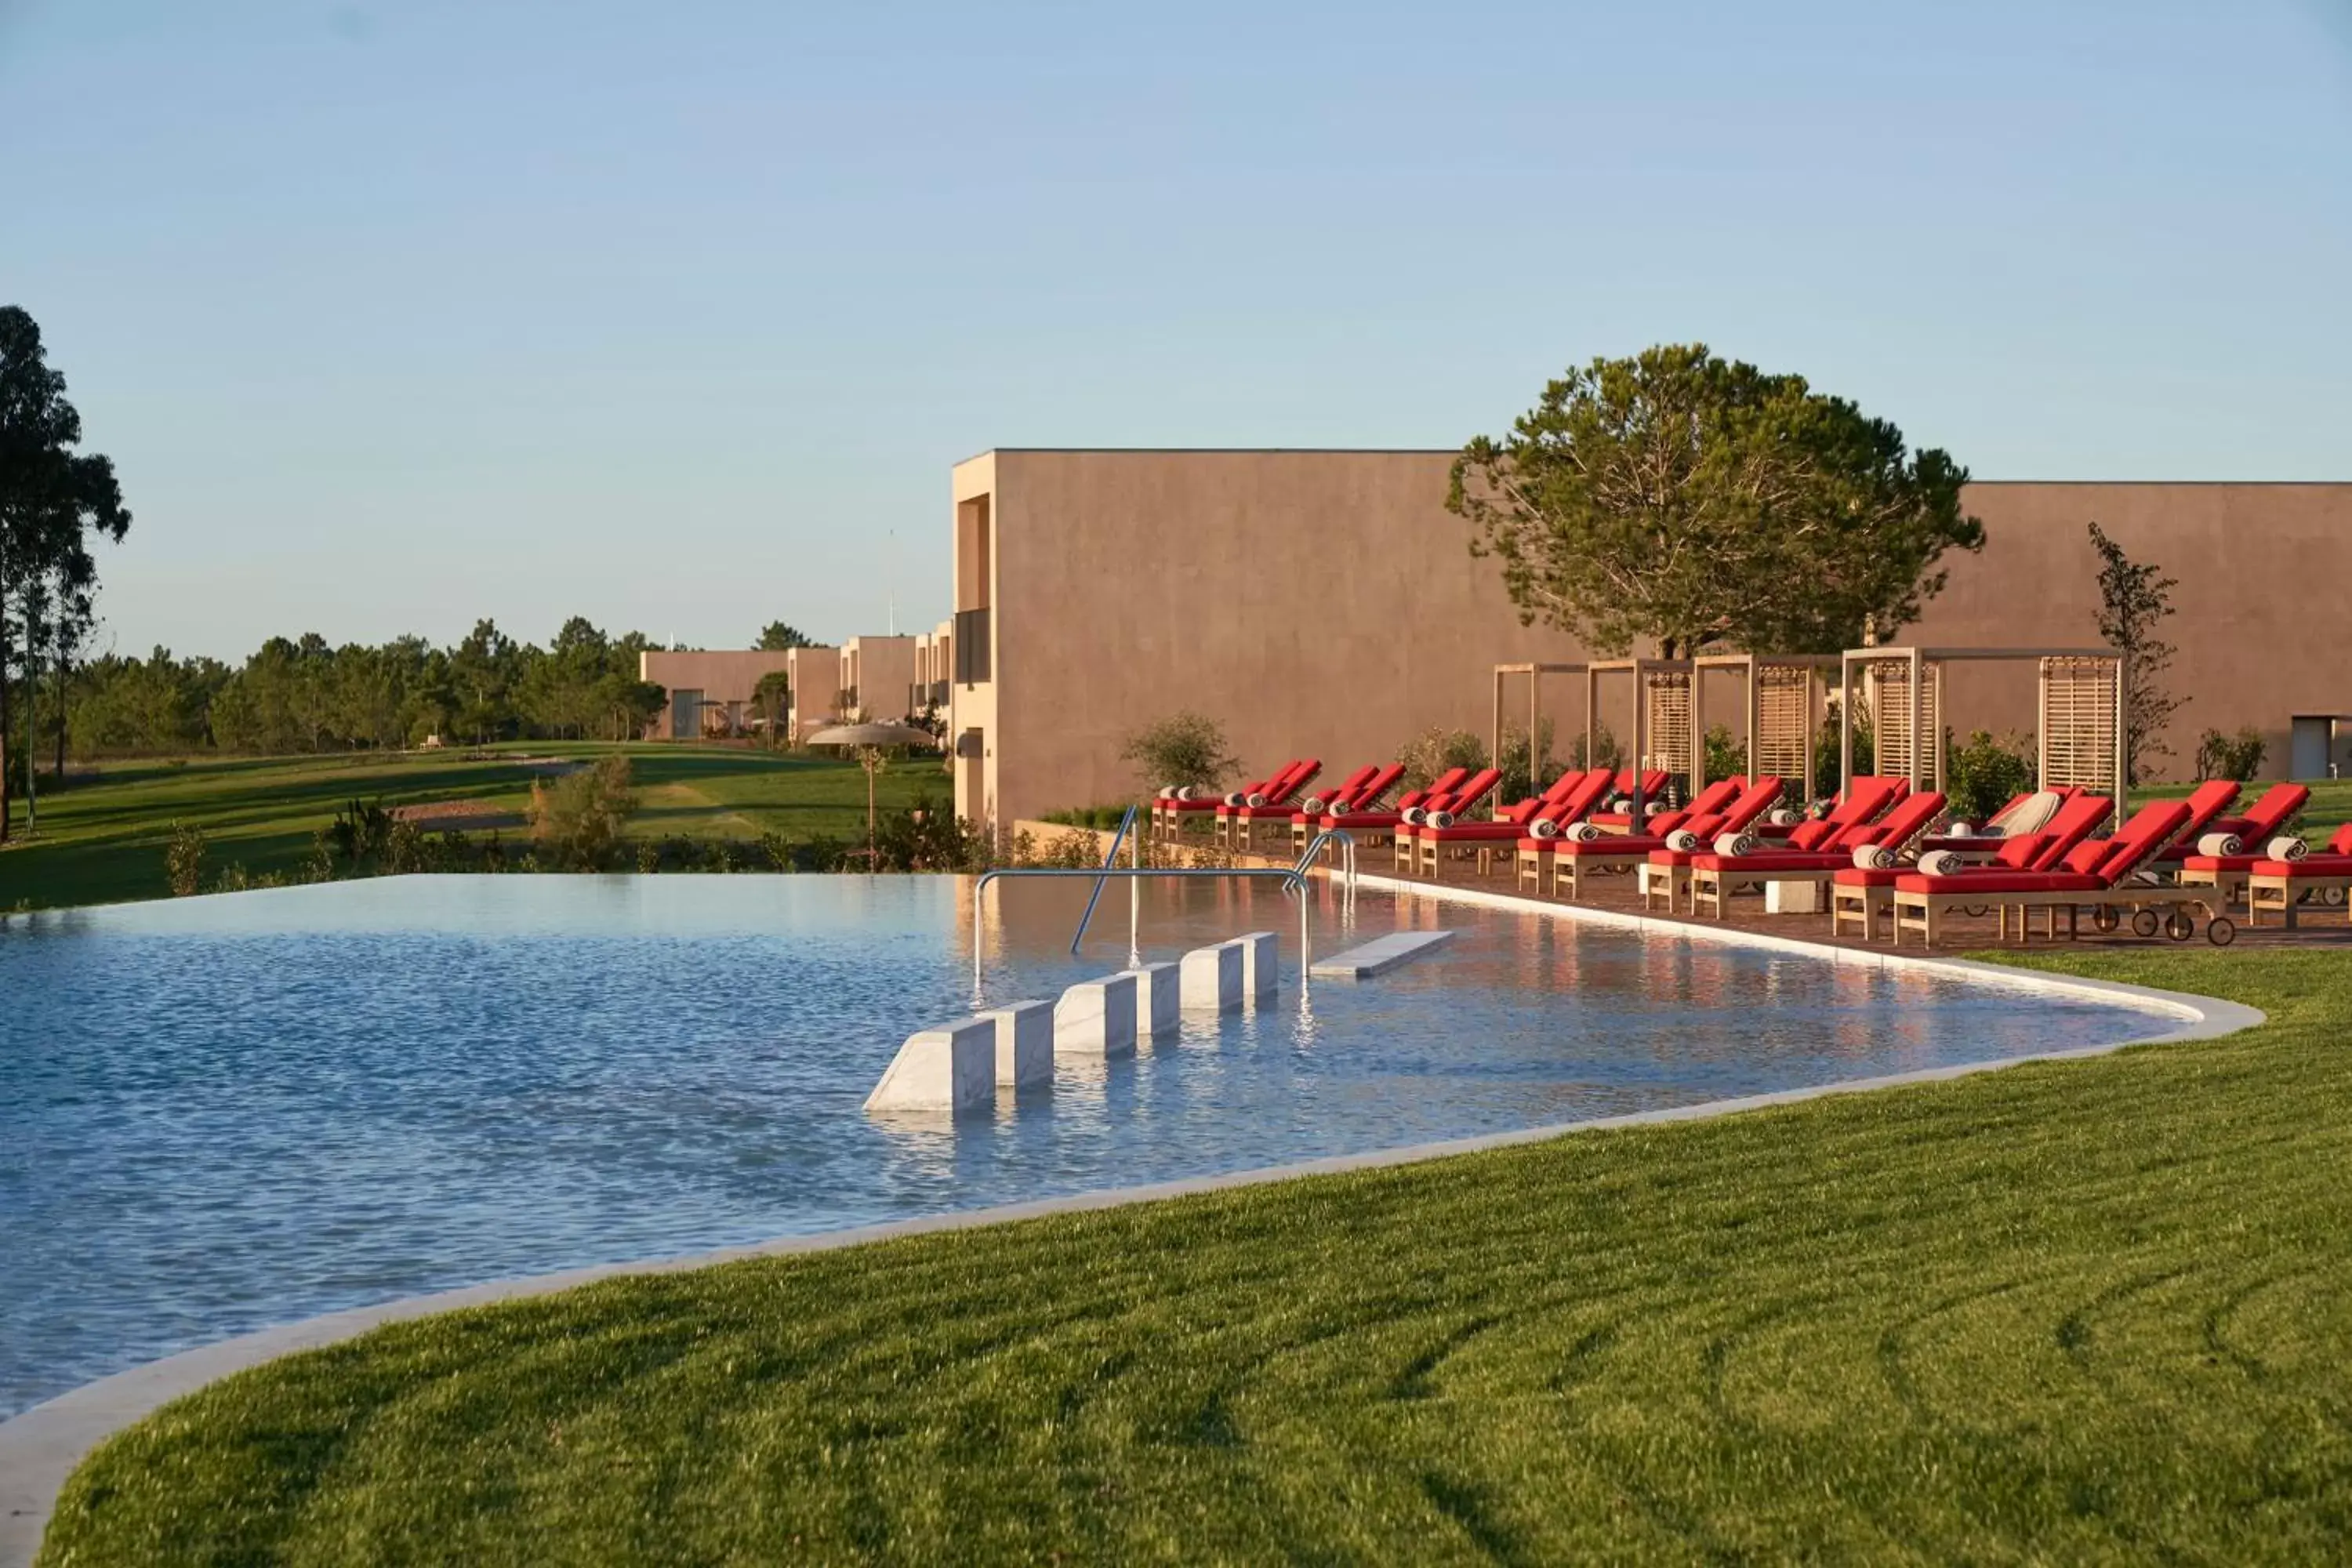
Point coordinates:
[[2282, 896], [2152, 910]]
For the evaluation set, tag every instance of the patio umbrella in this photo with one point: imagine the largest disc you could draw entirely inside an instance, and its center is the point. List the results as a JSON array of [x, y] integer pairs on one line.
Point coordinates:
[[869, 738]]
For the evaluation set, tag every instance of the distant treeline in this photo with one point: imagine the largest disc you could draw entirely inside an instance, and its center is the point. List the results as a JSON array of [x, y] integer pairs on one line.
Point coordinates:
[[304, 695]]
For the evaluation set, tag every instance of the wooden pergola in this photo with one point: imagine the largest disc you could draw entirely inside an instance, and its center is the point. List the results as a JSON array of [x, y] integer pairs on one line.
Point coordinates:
[[1755, 670], [1592, 670], [2080, 737]]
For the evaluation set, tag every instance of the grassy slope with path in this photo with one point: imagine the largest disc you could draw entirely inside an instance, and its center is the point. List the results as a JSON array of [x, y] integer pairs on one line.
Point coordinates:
[[2060, 1311], [102, 839]]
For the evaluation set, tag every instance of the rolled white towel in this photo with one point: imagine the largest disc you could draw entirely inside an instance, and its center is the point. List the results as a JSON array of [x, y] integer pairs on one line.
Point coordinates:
[[1962, 829], [1735, 844], [1873, 858], [1414, 815], [1168, 791], [1784, 817], [1439, 819], [1940, 863], [1654, 808], [1682, 838], [2222, 844], [1256, 798], [1543, 828], [1580, 833], [1620, 803], [1312, 805], [2288, 849], [1237, 798], [1186, 792]]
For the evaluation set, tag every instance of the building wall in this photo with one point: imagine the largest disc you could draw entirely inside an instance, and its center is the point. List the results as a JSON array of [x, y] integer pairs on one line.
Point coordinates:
[[724, 677], [815, 675], [882, 671], [1324, 603]]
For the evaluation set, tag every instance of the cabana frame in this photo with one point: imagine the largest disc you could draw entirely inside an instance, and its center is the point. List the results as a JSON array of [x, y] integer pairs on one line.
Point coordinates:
[[1751, 667], [1927, 770]]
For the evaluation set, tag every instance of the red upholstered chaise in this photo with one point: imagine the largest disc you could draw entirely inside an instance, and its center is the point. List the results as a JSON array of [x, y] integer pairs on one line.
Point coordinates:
[[1865, 895], [1714, 874], [2268, 817], [1654, 797], [1169, 813], [1668, 868], [2095, 874], [2281, 885], [1537, 851], [1238, 817], [1367, 823], [1365, 795], [1573, 860], [1421, 845], [1456, 802]]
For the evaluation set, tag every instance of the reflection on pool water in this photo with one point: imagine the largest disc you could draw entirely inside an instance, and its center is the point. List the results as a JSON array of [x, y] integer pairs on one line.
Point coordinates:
[[220, 1113]]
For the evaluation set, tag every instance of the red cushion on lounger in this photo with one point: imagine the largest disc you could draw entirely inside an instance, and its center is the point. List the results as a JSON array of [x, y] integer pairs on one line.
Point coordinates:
[[2318, 865], [2001, 882], [1764, 862], [2073, 823], [1855, 876]]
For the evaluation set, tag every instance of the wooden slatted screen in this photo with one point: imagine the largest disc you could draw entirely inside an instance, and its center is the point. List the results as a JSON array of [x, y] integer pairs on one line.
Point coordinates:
[[1668, 724], [1783, 743], [2078, 723], [1893, 755]]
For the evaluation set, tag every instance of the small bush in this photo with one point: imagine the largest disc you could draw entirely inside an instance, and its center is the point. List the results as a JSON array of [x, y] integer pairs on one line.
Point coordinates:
[[1516, 762], [183, 860], [2237, 757], [1434, 751], [1106, 818], [577, 820], [1986, 772], [1605, 752], [1184, 748], [1727, 757]]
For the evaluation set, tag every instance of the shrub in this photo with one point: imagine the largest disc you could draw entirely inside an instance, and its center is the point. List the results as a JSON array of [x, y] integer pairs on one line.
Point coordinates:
[[2238, 756], [926, 837], [1516, 762], [1184, 748], [1725, 757], [183, 860], [1106, 818], [1605, 750], [1825, 749], [1986, 772], [1434, 751], [577, 820]]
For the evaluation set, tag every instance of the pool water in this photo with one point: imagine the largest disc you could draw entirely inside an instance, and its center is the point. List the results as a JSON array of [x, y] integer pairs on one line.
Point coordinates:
[[221, 1113]]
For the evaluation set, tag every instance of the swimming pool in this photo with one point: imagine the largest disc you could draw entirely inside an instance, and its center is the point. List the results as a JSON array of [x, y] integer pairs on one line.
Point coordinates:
[[224, 1112]]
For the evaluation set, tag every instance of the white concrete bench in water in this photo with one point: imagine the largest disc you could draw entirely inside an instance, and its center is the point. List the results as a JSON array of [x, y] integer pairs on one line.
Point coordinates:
[[952, 1067], [1158, 994], [1218, 979], [1024, 1044], [1096, 1017], [1379, 955]]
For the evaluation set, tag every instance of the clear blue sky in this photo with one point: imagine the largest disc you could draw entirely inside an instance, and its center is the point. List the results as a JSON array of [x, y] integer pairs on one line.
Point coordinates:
[[394, 315]]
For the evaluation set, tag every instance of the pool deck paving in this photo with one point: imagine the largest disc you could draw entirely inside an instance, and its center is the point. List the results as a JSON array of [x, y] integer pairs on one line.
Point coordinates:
[[40, 1448]]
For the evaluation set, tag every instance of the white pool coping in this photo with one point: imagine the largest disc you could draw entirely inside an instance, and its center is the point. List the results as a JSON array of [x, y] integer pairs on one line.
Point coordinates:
[[40, 1448]]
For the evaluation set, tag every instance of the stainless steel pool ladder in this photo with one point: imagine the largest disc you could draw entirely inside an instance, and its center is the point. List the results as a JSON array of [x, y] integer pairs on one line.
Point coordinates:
[[1292, 877]]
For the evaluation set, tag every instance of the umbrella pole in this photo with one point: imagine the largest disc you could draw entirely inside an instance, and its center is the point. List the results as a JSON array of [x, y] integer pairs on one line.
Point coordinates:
[[869, 813]]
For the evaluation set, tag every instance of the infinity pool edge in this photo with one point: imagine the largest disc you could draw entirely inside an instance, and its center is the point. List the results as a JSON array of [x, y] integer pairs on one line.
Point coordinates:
[[41, 1447]]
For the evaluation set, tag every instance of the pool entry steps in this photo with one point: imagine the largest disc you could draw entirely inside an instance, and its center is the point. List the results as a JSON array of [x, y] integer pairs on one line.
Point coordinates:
[[963, 1065]]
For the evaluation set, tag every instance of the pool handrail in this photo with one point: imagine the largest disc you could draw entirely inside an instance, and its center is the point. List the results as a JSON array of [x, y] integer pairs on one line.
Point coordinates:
[[1292, 877], [1109, 860]]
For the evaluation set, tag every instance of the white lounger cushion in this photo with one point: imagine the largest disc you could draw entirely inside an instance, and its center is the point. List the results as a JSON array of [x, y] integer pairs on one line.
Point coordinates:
[[2288, 849], [1873, 858]]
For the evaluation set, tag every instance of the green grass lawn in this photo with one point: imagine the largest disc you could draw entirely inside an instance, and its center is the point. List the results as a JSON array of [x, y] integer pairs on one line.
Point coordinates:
[[2094, 1310], [101, 838], [2331, 803]]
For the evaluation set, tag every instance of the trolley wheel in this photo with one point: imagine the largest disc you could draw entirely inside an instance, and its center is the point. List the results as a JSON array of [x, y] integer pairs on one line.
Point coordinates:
[[2179, 926], [2144, 922], [2220, 931], [1977, 911], [2105, 918], [2331, 896]]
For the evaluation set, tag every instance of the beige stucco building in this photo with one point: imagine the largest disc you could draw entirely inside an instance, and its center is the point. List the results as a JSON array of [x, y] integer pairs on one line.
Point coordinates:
[[877, 677], [714, 692], [1326, 603]]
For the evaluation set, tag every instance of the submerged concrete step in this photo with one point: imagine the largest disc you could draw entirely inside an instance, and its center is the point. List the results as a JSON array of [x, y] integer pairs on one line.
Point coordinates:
[[1380, 955]]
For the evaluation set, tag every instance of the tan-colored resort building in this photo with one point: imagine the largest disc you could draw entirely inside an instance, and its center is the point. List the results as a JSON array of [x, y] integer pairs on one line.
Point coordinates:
[[714, 695], [1326, 604]]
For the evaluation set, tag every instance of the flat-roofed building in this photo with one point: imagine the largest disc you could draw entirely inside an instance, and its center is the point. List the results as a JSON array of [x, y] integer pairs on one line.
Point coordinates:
[[934, 688], [1326, 604], [876, 676], [815, 677], [711, 693]]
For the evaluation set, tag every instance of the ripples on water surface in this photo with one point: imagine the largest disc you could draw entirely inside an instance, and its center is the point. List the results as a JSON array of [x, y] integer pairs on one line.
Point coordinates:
[[224, 1113]]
